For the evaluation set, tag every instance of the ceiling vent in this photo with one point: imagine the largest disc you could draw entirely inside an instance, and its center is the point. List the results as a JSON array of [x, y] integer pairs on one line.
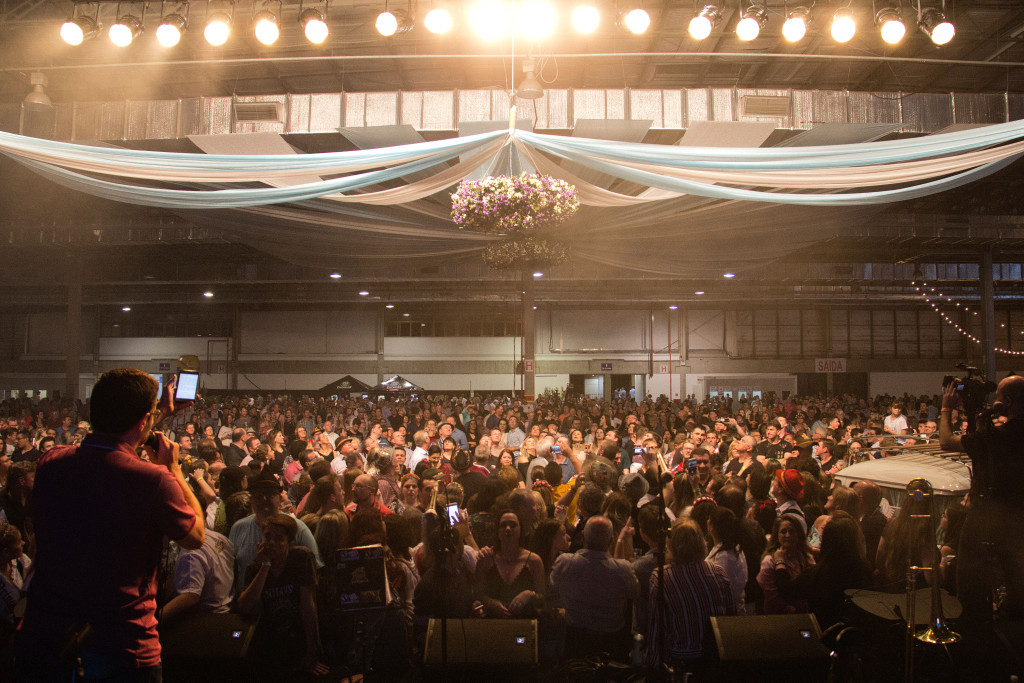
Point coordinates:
[[765, 105], [259, 112]]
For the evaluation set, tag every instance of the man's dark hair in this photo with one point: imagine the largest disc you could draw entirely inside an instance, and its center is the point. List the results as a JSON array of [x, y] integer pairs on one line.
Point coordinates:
[[591, 499], [208, 450], [608, 449], [18, 475], [318, 469], [553, 474], [120, 398], [649, 520]]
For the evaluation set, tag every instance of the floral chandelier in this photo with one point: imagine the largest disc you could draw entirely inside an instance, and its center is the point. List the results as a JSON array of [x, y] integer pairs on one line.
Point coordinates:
[[516, 208]]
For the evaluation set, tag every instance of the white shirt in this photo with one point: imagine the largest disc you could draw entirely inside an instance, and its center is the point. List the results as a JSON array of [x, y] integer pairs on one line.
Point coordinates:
[[417, 456]]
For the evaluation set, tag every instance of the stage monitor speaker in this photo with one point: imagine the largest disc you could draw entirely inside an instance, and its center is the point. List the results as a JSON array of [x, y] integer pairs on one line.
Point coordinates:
[[204, 635], [770, 647], [504, 642]]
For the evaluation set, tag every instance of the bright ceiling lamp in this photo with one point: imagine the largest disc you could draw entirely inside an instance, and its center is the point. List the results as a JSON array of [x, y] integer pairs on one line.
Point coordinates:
[[749, 27], [392, 22], [488, 19], [218, 28], [438, 21], [171, 27], [843, 25], [939, 29], [536, 19], [78, 29], [637, 20], [795, 27], [314, 25], [266, 27], [126, 29], [890, 25], [586, 19], [701, 25]]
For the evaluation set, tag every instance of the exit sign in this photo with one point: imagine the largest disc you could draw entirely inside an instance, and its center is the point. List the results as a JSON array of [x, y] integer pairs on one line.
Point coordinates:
[[830, 365]]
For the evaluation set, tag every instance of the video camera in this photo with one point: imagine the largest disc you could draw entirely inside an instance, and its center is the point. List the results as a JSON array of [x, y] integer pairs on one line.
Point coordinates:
[[973, 392]]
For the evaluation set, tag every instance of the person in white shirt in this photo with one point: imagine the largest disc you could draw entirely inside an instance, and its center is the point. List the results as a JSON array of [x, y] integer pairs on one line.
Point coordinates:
[[420, 453], [895, 422]]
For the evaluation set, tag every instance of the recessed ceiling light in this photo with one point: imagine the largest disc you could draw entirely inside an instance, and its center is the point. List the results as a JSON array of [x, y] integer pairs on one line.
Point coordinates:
[[126, 308], [405, 315], [423, 324], [208, 295], [363, 292], [699, 292], [535, 308], [538, 274], [673, 307], [727, 275], [335, 276], [389, 306]]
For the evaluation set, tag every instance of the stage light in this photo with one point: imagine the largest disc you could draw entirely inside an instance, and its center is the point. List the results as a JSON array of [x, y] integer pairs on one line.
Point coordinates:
[[168, 33], [890, 25], [749, 27], [218, 28], [438, 21], [536, 19], [795, 27], [843, 26], [586, 19], [78, 29], [939, 29], [390, 23], [314, 25], [637, 21], [488, 19], [701, 25], [126, 29], [266, 27]]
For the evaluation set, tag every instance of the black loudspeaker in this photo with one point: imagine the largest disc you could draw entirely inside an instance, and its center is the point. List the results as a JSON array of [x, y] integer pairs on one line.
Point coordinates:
[[201, 646], [770, 647], [504, 642]]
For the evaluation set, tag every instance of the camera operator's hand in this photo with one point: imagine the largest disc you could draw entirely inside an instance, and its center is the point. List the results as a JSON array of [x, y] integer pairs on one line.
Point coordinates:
[[167, 453]]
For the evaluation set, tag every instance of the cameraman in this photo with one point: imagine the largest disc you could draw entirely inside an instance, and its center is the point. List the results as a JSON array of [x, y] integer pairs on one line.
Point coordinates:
[[994, 531], [100, 515]]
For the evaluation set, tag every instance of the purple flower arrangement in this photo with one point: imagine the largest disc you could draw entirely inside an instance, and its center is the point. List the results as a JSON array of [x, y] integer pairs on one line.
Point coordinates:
[[513, 205]]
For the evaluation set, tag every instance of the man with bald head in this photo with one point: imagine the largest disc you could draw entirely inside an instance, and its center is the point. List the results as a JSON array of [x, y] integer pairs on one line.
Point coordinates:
[[595, 589], [993, 534]]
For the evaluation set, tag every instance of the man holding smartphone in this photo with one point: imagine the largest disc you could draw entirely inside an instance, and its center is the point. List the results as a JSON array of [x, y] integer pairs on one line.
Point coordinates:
[[100, 514]]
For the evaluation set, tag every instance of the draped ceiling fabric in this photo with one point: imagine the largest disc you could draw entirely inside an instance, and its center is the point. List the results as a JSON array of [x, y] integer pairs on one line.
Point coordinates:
[[659, 209]]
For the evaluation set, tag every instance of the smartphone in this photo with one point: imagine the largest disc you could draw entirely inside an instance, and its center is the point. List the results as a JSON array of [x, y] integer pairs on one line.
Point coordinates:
[[453, 513], [188, 385], [556, 449], [638, 450], [691, 466]]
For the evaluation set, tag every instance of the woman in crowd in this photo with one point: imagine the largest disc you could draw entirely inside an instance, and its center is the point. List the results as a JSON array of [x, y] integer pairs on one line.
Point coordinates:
[[907, 539], [842, 498], [724, 530], [510, 579], [787, 550], [279, 584], [275, 440], [694, 590], [840, 566], [408, 495], [481, 519], [527, 452]]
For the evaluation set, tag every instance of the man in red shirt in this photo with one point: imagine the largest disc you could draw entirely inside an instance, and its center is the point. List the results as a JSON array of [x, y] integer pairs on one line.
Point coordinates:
[[364, 493], [101, 514]]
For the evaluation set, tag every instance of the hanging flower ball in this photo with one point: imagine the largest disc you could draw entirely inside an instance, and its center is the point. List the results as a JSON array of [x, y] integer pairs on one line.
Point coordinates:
[[509, 205]]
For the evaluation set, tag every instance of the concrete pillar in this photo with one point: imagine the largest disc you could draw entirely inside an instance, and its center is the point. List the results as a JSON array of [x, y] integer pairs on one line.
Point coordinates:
[[529, 339], [988, 316], [72, 366], [378, 345], [236, 347]]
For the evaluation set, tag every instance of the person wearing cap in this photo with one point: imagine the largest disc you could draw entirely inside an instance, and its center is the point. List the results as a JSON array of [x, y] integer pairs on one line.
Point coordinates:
[[247, 533], [348, 448], [788, 491]]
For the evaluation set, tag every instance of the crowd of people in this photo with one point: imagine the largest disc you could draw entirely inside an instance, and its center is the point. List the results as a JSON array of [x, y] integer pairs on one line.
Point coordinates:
[[600, 519]]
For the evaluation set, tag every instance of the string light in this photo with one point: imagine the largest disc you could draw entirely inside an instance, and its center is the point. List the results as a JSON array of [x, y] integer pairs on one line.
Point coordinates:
[[966, 333]]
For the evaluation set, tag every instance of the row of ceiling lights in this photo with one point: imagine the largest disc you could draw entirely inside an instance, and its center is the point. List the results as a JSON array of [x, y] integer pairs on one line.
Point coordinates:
[[490, 19]]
